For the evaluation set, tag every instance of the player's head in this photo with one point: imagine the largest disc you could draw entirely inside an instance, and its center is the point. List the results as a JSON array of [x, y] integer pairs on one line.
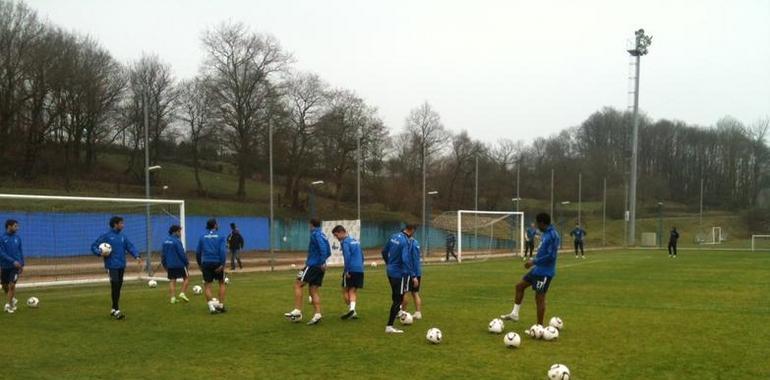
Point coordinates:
[[211, 224], [175, 230], [673, 228], [533, 224], [410, 229], [543, 220], [315, 223], [116, 223], [11, 226], [577, 224], [232, 226], [339, 232]]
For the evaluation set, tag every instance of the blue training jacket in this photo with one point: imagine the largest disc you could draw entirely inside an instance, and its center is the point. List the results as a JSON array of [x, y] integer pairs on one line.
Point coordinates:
[[578, 233], [120, 246], [531, 233], [397, 254], [545, 260], [318, 249], [212, 249], [174, 255], [351, 252], [415, 253], [10, 250]]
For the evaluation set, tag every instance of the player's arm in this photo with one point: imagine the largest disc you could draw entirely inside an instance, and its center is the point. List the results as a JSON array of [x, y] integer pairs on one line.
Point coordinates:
[[21, 254], [323, 245], [199, 251], [3, 254], [222, 254], [95, 246], [406, 258], [346, 255], [129, 246], [547, 252], [182, 253], [163, 256], [385, 251]]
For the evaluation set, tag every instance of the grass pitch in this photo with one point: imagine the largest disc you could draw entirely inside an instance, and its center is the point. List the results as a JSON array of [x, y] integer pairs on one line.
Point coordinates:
[[627, 314]]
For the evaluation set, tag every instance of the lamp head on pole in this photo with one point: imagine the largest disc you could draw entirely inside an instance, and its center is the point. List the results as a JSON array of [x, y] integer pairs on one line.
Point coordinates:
[[156, 167], [642, 43], [314, 183]]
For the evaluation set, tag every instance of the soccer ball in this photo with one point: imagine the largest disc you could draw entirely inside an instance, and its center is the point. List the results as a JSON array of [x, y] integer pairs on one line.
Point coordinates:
[[374, 264], [105, 248], [433, 335], [293, 266], [536, 331], [227, 280], [152, 283], [197, 289], [406, 319], [512, 340], [496, 326], [556, 322], [33, 302], [558, 372], [550, 333]]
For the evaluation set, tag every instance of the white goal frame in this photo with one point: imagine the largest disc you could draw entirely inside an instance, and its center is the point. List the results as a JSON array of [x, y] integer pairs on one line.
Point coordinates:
[[145, 201], [501, 213], [753, 237], [716, 236]]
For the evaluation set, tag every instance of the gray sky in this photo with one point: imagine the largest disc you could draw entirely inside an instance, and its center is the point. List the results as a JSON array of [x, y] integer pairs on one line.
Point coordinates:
[[515, 69]]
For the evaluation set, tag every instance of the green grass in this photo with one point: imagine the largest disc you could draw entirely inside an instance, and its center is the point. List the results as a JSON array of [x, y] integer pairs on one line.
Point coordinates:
[[628, 315]]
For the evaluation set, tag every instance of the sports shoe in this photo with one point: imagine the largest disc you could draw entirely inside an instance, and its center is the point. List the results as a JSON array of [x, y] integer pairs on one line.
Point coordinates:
[[354, 316], [510, 317], [15, 302], [417, 315], [212, 307], [294, 315], [348, 314], [393, 330], [183, 297], [582, 257], [220, 308], [576, 256], [173, 300], [8, 309], [118, 315], [315, 320]]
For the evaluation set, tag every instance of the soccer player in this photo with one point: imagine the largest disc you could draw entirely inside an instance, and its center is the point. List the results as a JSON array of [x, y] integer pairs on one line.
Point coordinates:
[[578, 234], [11, 263], [672, 239], [415, 289], [353, 273], [115, 259], [235, 243], [529, 241], [451, 240], [313, 273], [398, 256], [539, 277], [212, 257], [175, 261]]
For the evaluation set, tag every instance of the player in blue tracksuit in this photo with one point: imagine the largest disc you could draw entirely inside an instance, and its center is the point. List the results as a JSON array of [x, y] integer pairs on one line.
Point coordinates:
[[11, 263], [401, 273], [115, 259], [529, 241], [313, 274], [415, 290], [175, 261], [353, 272], [211, 255], [539, 277], [578, 234]]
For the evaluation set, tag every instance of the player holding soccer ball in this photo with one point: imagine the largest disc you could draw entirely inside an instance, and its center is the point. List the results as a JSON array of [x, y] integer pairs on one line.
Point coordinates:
[[415, 290], [313, 273], [401, 275], [353, 273], [539, 277], [212, 256], [175, 261], [115, 259], [11, 263]]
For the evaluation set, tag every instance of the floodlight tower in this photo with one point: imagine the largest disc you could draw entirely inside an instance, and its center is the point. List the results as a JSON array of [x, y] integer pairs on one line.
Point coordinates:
[[643, 41]]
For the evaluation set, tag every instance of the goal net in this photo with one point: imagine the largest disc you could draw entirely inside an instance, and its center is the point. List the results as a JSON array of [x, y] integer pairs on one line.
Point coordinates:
[[484, 232], [760, 242], [57, 233]]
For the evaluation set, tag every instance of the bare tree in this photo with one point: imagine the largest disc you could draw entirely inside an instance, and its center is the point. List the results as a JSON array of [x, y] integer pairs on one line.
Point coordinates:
[[195, 112]]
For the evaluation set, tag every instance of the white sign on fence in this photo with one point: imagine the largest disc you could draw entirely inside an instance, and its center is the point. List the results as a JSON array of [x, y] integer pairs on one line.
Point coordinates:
[[354, 230]]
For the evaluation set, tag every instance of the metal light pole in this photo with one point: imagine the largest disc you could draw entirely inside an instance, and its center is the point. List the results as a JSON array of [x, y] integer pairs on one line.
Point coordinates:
[[642, 43], [518, 194], [604, 214], [272, 210], [312, 197], [358, 176], [700, 217], [476, 205], [580, 195], [516, 209], [147, 170], [426, 242]]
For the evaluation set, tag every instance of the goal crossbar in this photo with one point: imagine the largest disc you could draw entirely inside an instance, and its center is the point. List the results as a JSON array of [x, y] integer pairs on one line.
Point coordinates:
[[502, 215]]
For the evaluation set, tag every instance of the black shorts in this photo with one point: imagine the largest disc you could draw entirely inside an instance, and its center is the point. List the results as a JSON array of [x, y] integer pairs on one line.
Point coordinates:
[[313, 276], [174, 273], [415, 289], [209, 272], [356, 280], [540, 284], [9, 275]]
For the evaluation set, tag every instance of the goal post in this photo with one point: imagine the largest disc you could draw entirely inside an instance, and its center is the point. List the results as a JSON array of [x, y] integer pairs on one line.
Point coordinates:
[[508, 224], [760, 243], [57, 232]]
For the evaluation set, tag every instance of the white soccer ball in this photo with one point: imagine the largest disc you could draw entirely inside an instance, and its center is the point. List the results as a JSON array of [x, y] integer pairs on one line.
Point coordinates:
[[556, 322], [496, 326], [536, 331], [293, 266], [152, 283], [433, 335], [550, 333], [558, 372], [33, 302], [105, 248], [197, 289], [374, 264], [406, 318], [227, 280], [512, 340]]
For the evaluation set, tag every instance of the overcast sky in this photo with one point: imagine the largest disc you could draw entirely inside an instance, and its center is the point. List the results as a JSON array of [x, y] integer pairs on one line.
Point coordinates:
[[515, 69]]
